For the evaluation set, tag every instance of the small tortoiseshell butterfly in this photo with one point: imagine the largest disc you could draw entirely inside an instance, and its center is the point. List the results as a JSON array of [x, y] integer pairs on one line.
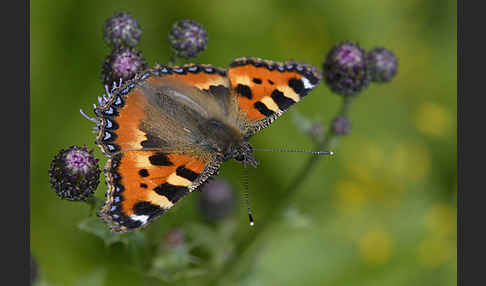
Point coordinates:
[[168, 129]]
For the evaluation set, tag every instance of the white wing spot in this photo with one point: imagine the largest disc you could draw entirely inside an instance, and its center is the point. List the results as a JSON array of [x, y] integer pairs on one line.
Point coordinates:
[[307, 84], [141, 218]]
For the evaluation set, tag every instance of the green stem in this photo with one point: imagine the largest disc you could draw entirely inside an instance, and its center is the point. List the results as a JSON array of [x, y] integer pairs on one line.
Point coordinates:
[[347, 100], [257, 235], [93, 203]]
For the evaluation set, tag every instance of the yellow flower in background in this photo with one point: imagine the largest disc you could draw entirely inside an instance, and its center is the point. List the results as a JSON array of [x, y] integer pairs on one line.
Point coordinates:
[[349, 195], [390, 168], [376, 246], [440, 244], [440, 220], [432, 119], [375, 155], [368, 174], [410, 162], [432, 252], [361, 172]]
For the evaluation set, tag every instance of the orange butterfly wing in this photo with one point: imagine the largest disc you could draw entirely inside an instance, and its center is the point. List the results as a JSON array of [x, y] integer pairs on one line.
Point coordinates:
[[143, 185], [265, 89]]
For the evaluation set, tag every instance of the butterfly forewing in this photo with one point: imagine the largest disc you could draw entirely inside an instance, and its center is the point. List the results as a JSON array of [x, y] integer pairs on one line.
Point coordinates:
[[266, 89]]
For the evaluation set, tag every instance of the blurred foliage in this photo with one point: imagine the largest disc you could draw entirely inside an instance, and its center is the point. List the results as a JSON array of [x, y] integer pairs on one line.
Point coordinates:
[[381, 212]]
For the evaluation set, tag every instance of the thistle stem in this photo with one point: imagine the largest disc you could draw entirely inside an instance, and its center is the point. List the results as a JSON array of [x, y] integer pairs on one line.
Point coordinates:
[[93, 203], [347, 100]]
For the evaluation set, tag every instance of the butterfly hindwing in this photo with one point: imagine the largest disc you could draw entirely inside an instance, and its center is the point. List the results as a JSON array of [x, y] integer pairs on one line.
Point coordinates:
[[265, 89], [143, 185]]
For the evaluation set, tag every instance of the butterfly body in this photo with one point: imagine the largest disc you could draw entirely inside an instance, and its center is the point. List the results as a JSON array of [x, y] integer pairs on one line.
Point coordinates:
[[170, 128]]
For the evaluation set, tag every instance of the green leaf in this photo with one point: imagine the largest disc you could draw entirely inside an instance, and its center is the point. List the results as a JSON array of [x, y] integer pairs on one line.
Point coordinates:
[[295, 218], [175, 264], [95, 278], [96, 226], [218, 241]]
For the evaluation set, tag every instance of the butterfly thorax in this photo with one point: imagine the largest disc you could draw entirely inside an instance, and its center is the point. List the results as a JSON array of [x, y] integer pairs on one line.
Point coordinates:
[[227, 141]]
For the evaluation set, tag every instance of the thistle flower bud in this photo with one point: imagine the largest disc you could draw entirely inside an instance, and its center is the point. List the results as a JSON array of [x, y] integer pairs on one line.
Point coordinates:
[[123, 64], [188, 39], [217, 200], [341, 125], [174, 238], [382, 65], [122, 30], [74, 174], [345, 69]]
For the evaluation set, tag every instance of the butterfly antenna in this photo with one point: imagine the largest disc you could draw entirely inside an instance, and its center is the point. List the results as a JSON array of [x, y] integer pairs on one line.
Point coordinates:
[[331, 153], [245, 185]]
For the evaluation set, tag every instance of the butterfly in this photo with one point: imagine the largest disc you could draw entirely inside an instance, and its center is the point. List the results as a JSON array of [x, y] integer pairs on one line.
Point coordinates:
[[168, 130]]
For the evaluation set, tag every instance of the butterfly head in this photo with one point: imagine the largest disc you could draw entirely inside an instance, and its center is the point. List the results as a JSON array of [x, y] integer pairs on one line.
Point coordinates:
[[243, 153]]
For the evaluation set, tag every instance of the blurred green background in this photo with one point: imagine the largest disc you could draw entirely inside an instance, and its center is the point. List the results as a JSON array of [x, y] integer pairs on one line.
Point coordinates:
[[381, 212]]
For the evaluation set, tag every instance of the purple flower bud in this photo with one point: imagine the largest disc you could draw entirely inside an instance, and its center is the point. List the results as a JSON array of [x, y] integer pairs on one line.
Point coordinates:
[[74, 174], [217, 200], [345, 69], [188, 39], [123, 64], [382, 65], [174, 238], [341, 125], [122, 30]]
